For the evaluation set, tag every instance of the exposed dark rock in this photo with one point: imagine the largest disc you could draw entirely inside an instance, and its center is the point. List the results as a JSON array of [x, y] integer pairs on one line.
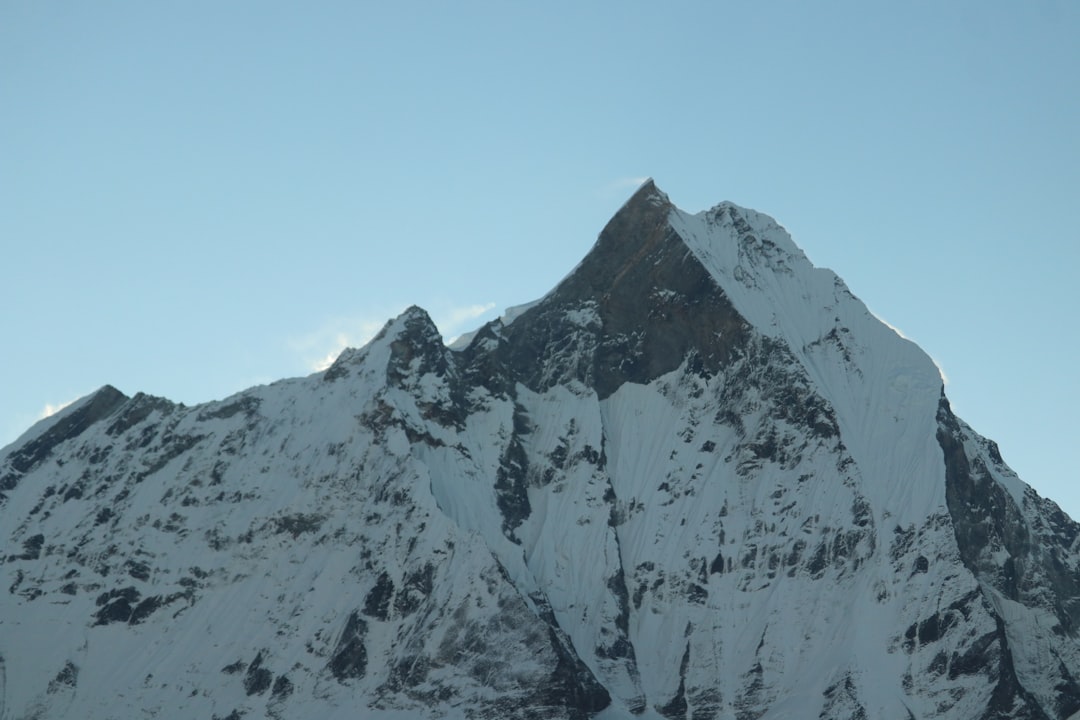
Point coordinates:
[[747, 705], [31, 548], [676, 708], [75, 491], [248, 405], [136, 411], [572, 685], [340, 367], [257, 679], [234, 668], [600, 328], [116, 606], [19, 577], [619, 646], [418, 350], [985, 519], [414, 589], [377, 601], [283, 687], [705, 703], [70, 425], [172, 446], [147, 606], [748, 411], [137, 569], [819, 561], [511, 480], [842, 702], [298, 524], [1010, 699], [68, 677], [1067, 689], [349, 659]]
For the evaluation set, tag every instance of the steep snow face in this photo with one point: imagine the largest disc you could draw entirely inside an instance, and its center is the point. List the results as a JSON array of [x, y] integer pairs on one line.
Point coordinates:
[[696, 480], [872, 377], [278, 553]]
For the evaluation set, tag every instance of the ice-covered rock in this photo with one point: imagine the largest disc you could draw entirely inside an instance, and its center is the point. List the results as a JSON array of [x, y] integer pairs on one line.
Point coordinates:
[[698, 479]]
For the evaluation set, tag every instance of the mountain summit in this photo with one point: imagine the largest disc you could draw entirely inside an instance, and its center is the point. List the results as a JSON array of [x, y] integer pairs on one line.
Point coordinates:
[[696, 480]]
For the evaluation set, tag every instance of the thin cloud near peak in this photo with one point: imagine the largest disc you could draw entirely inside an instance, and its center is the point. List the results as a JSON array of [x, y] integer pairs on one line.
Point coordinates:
[[319, 349]]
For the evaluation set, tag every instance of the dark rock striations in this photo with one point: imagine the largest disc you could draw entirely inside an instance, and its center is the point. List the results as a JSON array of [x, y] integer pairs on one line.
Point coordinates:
[[697, 480]]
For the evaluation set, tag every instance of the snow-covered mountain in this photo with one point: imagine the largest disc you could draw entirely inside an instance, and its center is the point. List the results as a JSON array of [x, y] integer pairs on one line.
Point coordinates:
[[696, 480]]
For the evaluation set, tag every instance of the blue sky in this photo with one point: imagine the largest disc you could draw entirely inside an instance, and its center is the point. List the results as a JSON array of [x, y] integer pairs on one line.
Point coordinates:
[[197, 197]]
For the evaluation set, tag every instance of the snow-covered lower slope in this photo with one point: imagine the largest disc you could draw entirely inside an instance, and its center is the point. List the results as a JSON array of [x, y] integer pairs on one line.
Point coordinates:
[[696, 480]]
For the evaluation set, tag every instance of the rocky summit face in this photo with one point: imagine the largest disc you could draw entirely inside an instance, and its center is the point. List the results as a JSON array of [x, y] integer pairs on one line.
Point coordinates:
[[697, 480]]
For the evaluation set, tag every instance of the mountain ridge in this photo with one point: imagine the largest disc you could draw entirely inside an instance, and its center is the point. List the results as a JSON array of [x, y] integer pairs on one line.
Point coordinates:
[[697, 479]]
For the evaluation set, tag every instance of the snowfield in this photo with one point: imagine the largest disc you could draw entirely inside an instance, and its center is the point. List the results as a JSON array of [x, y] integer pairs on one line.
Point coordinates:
[[698, 479]]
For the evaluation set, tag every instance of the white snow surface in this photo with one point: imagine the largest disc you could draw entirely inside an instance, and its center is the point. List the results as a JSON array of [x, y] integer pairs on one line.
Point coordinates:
[[883, 387], [744, 584]]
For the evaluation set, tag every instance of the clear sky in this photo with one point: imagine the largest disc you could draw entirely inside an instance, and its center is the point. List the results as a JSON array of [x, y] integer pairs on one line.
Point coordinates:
[[197, 197]]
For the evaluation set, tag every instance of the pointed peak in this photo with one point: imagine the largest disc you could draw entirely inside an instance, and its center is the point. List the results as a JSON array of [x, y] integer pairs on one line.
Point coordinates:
[[647, 194], [416, 323], [648, 206], [415, 313], [411, 320], [38, 442], [413, 327], [108, 394], [91, 407], [649, 183]]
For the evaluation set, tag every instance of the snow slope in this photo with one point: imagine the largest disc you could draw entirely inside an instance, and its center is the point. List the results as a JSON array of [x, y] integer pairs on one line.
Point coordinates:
[[698, 479]]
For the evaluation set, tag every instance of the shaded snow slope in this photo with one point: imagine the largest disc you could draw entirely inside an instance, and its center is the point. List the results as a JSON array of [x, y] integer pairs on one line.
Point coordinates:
[[698, 479]]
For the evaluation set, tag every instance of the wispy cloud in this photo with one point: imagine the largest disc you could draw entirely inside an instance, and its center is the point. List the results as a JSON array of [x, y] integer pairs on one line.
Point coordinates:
[[319, 349], [49, 410], [19, 422], [457, 320], [622, 184]]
